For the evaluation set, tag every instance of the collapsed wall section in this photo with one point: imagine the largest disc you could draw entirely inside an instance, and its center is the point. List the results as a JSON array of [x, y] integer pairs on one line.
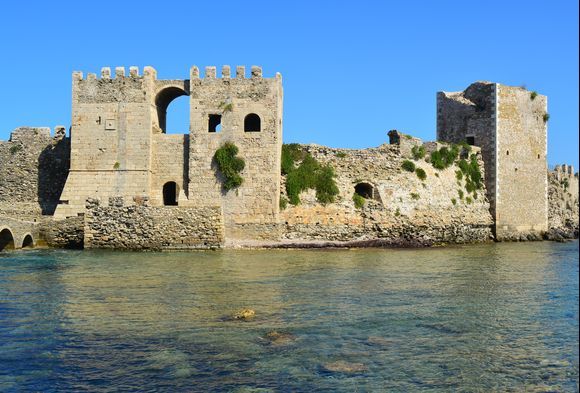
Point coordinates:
[[33, 171]]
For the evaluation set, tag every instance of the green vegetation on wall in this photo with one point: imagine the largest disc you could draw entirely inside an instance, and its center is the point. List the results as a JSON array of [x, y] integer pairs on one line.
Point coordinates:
[[418, 152], [229, 165], [359, 201], [420, 172], [308, 175], [409, 166]]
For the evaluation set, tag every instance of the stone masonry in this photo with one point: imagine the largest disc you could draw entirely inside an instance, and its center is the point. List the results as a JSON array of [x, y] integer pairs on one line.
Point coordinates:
[[119, 146], [510, 125]]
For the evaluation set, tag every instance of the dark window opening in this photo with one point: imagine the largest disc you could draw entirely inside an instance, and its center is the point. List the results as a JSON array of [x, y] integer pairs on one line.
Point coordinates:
[[365, 190], [27, 242], [252, 123], [6, 240], [470, 140], [170, 194], [214, 123], [507, 153], [538, 156]]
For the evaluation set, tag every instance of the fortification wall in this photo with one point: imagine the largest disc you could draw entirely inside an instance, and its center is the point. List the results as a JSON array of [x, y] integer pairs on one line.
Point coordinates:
[[151, 228], [33, 170], [563, 203], [110, 137], [403, 210], [250, 209], [522, 194]]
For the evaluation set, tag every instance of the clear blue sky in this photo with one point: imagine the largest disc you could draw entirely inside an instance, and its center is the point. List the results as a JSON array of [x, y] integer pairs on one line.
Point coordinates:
[[351, 70]]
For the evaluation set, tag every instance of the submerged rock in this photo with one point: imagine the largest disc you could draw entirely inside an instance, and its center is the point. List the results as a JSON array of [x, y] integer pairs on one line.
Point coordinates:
[[276, 338], [245, 314], [380, 341], [341, 366]]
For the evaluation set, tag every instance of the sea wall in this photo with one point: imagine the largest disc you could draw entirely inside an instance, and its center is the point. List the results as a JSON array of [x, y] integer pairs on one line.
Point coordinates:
[[145, 227], [401, 209]]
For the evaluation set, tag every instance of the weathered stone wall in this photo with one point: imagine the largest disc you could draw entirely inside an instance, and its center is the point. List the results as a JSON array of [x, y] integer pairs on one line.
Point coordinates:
[[563, 203], [256, 201], [66, 233], [119, 147], [522, 195], [16, 233], [33, 171], [151, 227], [403, 210], [508, 124]]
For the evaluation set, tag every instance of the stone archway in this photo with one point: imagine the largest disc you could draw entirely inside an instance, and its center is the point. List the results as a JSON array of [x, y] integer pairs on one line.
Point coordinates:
[[6, 240], [28, 241], [165, 95]]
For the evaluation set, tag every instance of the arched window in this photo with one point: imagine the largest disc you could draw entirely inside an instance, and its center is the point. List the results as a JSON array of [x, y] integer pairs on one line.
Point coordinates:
[[170, 194], [365, 190], [252, 123], [6, 240], [178, 120], [27, 242]]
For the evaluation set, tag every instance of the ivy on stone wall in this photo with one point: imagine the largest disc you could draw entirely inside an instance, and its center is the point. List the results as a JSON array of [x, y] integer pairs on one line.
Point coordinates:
[[229, 165]]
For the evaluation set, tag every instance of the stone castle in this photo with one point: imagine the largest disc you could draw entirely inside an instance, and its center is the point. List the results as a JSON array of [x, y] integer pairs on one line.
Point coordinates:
[[120, 181]]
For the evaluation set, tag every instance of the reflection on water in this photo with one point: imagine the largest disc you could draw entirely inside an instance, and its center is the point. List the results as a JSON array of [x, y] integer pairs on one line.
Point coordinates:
[[475, 318]]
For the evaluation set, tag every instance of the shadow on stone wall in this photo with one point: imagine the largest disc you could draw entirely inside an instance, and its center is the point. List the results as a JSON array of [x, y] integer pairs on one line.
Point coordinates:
[[53, 167]]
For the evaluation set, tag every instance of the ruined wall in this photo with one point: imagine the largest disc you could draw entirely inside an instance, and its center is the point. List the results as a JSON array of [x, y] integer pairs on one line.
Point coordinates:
[[404, 209], [250, 209], [65, 233], [508, 124], [151, 228], [563, 203], [33, 170], [522, 200]]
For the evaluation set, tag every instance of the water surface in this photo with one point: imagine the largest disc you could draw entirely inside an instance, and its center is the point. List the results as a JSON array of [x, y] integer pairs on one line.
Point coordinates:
[[499, 317]]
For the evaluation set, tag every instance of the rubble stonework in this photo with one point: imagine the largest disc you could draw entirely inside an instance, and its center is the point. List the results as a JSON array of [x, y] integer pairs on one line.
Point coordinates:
[[403, 209], [120, 181]]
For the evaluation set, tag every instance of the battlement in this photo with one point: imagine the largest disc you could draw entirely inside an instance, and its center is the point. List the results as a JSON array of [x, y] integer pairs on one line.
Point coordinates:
[[210, 72], [563, 171]]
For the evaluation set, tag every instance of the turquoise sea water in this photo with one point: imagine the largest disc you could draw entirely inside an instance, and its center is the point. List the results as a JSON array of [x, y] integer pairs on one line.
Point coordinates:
[[496, 317]]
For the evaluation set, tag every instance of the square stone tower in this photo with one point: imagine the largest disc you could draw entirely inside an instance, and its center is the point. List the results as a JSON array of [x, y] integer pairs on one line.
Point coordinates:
[[510, 125], [119, 147]]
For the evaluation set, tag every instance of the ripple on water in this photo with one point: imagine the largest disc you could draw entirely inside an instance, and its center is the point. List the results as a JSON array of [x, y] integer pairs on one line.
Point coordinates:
[[500, 317]]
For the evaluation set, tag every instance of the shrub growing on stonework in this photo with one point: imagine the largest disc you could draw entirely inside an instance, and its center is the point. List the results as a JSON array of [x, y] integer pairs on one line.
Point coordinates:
[[229, 165], [409, 166], [15, 149], [546, 117], [418, 152], [533, 95], [420, 172], [358, 200], [308, 175], [444, 157]]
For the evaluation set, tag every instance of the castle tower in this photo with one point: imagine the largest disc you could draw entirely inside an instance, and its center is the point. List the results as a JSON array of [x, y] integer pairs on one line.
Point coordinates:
[[510, 125], [119, 146]]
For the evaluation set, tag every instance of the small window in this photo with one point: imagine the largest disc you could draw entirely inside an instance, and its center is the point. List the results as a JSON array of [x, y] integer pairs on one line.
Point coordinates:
[[507, 153], [214, 123], [470, 140], [538, 156], [252, 123]]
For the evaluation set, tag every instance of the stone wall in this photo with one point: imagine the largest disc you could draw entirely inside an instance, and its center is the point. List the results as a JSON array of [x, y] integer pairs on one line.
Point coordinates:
[[403, 211], [33, 170], [151, 227], [563, 203], [66, 233], [508, 124]]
